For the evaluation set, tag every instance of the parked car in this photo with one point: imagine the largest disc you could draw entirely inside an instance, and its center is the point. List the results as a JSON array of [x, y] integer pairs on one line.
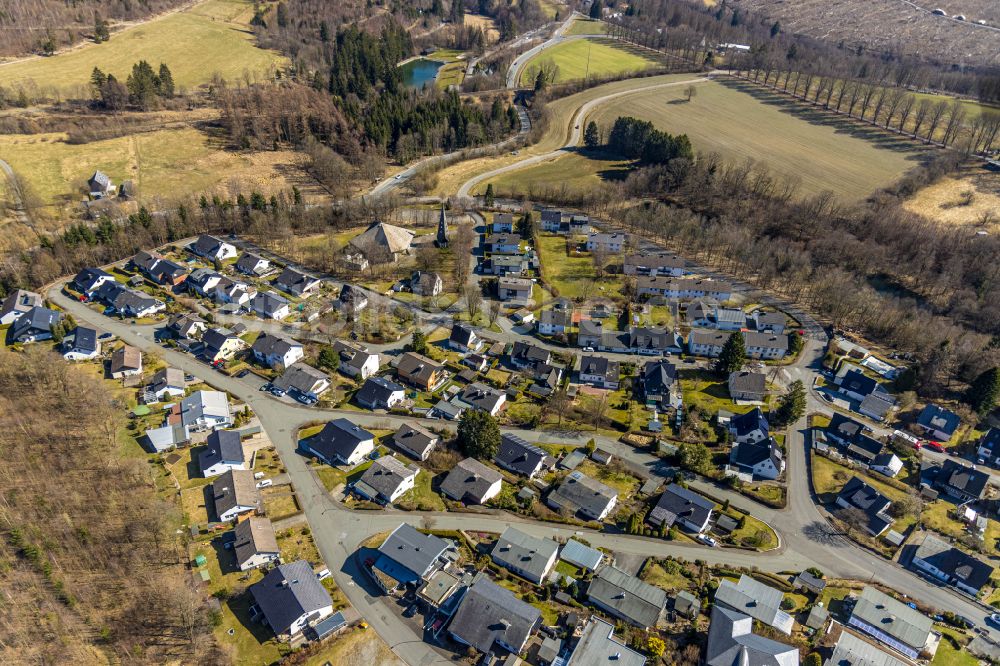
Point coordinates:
[[994, 619], [258, 475], [707, 540], [934, 446], [242, 374], [264, 483]]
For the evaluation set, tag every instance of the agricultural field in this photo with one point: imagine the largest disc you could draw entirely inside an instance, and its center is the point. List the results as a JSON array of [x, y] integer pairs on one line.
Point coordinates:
[[557, 134], [165, 164], [209, 38], [582, 58], [741, 122]]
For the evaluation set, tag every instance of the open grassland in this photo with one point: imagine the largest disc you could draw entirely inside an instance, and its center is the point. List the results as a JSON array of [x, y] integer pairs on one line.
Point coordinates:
[[822, 152], [557, 134], [562, 176], [570, 276], [208, 39], [166, 164], [582, 58], [553, 8], [972, 198], [587, 26], [484, 23]]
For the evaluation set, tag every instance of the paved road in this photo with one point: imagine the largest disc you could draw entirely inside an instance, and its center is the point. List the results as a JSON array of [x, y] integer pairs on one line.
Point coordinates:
[[807, 537], [514, 71]]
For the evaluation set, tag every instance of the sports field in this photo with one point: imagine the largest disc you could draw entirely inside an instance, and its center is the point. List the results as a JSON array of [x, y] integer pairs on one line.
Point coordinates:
[[166, 164], [582, 58], [210, 38], [740, 122]]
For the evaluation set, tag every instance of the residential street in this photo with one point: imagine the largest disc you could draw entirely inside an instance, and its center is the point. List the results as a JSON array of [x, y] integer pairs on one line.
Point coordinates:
[[806, 537]]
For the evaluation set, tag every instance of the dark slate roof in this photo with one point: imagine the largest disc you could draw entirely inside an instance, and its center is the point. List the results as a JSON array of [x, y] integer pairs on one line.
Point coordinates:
[[377, 390], [955, 563], [268, 301], [86, 278], [287, 592], [591, 327], [414, 438], [939, 418], [529, 353], [462, 334], [294, 281], [302, 377], [223, 446], [634, 600], [339, 438], [677, 502], [267, 345], [865, 448], [489, 612], [247, 263], [608, 369], [235, 488], [748, 382], [747, 423], [215, 338], [877, 404], [518, 455], [749, 454], [991, 440], [481, 396], [36, 319], [844, 427], [965, 479], [469, 480], [415, 551], [858, 382], [862, 496], [519, 551], [85, 338], [206, 245], [658, 377], [650, 338]]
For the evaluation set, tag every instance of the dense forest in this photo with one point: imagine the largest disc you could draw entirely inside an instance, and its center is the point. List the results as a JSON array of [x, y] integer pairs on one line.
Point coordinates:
[[89, 563], [639, 139], [38, 26]]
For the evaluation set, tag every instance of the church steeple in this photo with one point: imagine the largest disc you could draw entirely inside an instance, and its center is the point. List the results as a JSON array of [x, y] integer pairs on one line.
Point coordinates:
[[442, 233]]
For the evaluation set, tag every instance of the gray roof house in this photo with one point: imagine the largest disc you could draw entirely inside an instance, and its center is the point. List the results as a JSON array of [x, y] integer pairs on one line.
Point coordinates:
[[270, 304], [682, 507], [291, 598], [303, 381], [408, 556], [223, 452], [584, 496], [751, 597], [484, 398], [951, 565], [891, 622], [600, 371], [581, 556], [16, 304], [340, 442], [490, 615], [659, 383], [380, 393], [520, 457], [296, 282], [598, 646], [34, 325], [731, 642], [415, 441], [251, 264], [386, 480], [627, 597], [938, 423], [235, 492], [527, 556], [472, 482], [203, 410], [254, 543], [81, 344], [856, 494], [746, 385], [852, 651]]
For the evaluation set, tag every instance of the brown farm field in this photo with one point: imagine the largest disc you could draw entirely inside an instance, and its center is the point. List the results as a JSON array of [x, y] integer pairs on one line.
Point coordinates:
[[741, 122], [971, 198]]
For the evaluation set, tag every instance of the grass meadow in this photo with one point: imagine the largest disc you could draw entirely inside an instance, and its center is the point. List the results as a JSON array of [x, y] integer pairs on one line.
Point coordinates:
[[579, 58], [208, 39]]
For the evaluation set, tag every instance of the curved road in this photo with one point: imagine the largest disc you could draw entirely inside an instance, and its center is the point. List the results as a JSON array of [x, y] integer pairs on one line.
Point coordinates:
[[806, 536], [576, 132]]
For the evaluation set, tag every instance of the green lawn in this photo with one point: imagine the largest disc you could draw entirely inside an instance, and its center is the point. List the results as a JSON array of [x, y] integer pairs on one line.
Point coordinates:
[[947, 655], [421, 498], [210, 38], [935, 517], [825, 471], [626, 484], [587, 26], [582, 58], [570, 173], [572, 277], [740, 122], [709, 392], [655, 574]]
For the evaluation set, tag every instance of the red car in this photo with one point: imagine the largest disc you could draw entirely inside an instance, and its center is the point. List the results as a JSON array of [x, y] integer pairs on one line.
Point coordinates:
[[934, 446]]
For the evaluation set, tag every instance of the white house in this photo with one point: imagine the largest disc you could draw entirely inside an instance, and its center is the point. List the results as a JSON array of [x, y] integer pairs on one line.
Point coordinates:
[[356, 361], [82, 345], [761, 459], [167, 383], [234, 493], [254, 543], [291, 598], [223, 452], [765, 345], [269, 305], [887, 464], [205, 410], [702, 342], [212, 248], [611, 243], [386, 480], [341, 442], [273, 351]]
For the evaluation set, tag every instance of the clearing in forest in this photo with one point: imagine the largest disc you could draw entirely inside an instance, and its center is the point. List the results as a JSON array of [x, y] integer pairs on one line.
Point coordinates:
[[210, 38]]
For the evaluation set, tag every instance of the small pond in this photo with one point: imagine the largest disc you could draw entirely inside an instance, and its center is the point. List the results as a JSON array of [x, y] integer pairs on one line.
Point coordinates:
[[418, 72]]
